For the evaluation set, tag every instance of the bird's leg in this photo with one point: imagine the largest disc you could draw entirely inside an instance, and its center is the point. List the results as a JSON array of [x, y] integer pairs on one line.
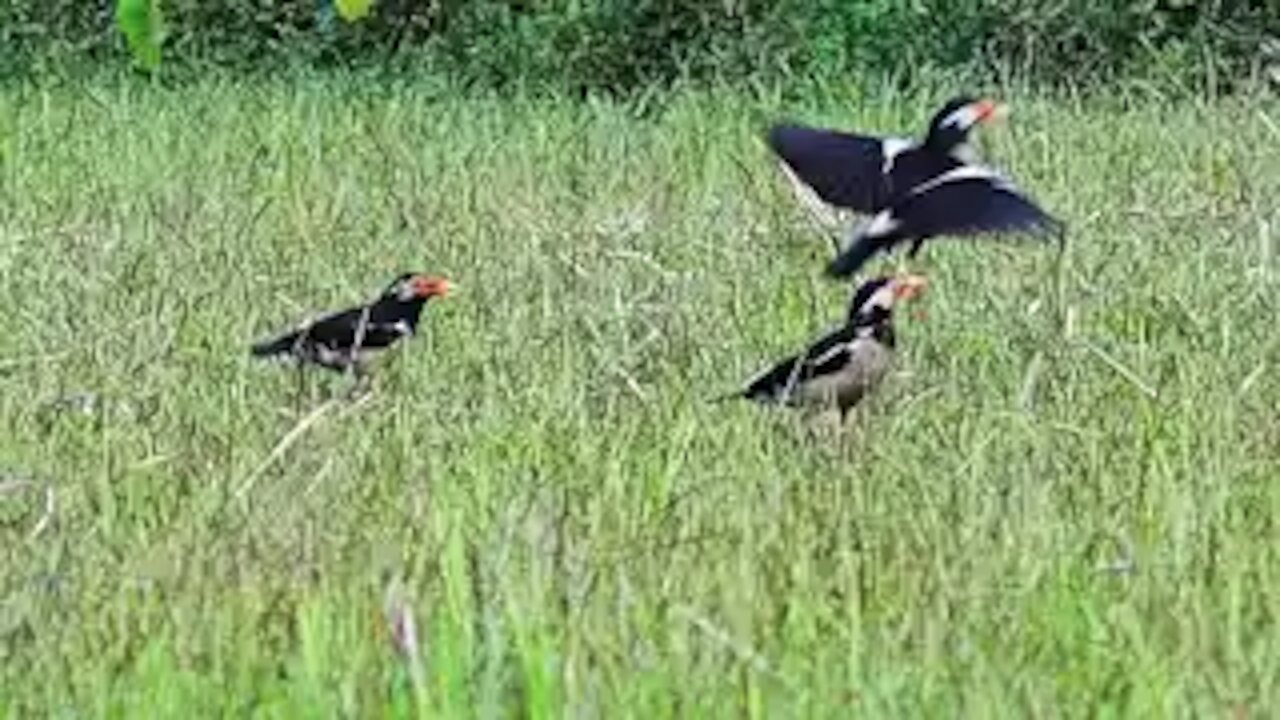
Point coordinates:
[[363, 380], [844, 414]]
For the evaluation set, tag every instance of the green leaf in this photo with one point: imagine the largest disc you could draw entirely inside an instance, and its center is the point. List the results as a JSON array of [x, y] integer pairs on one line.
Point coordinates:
[[353, 10], [140, 22]]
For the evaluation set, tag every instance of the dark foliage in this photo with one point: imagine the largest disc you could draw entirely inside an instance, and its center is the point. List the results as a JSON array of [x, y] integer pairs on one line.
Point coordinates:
[[619, 45]]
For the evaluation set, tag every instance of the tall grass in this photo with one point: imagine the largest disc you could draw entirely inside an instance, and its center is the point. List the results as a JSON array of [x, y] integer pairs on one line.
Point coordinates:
[[1061, 505]]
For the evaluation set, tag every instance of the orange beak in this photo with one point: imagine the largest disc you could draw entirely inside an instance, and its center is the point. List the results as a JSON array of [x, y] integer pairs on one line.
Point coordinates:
[[432, 286], [988, 110]]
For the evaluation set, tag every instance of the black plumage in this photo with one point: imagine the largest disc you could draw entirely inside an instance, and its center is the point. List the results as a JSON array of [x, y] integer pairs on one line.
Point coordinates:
[[914, 190], [864, 172], [342, 340], [842, 366], [966, 200]]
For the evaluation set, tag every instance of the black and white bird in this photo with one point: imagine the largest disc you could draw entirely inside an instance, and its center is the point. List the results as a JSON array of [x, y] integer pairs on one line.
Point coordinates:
[[913, 190], [343, 340], [841, 367]]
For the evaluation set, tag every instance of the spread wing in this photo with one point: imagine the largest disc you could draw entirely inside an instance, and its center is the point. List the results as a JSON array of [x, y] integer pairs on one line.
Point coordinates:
[[844, 169], [968, 201]]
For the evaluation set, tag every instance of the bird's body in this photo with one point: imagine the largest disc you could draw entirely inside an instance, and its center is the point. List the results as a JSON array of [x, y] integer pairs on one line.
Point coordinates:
[[343, 340], [842, 366], [837, 370], [913, 190]]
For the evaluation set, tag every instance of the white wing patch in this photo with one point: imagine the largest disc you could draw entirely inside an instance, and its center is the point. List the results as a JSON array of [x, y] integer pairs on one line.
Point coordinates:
[[891, 147], [964, 172], [831, 353]]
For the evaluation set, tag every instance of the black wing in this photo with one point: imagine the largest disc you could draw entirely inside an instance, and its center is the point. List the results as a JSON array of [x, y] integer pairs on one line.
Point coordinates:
[[336, 330], [828, 354], [967, 201], [844, 169], [914, 167], [379, 329], [971, 205], [858, 252]]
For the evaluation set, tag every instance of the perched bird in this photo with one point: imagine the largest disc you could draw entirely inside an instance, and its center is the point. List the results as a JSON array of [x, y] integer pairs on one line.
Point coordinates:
[[912, 190], [845, 364], [863, 172], [343, 340]]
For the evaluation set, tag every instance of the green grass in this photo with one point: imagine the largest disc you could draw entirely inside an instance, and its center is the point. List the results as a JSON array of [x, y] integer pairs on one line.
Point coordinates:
[[1061, 505]]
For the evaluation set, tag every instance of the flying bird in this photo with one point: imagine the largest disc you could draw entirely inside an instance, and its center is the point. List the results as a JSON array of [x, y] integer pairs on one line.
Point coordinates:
[[913, 190], [343, 340], [841, 367]]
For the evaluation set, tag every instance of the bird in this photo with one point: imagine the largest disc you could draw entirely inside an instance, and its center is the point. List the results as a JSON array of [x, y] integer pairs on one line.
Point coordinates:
[[912, 190], [845, 364], [861, 172], [343, 340]]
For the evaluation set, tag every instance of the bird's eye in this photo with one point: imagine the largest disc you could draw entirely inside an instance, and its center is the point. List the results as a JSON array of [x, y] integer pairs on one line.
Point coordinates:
[[962, 118]]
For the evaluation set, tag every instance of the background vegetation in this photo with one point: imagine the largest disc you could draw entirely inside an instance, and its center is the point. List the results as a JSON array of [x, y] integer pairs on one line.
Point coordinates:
[[625, 45], [1063, 505]]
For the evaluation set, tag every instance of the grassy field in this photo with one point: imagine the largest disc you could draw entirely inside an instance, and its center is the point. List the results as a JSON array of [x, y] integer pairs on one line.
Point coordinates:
[[1061, 505]]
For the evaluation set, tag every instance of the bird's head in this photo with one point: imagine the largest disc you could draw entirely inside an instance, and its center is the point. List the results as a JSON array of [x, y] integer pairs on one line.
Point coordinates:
[[873, 301], [951, 125], [415, 286]]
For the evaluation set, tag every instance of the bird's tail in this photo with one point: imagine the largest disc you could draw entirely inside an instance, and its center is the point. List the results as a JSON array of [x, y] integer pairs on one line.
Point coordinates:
[[855, 254], [274, 346]]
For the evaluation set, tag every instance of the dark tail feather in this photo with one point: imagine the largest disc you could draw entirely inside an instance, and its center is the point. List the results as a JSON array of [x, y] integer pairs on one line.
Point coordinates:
[[853, 257], [274, 346]]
